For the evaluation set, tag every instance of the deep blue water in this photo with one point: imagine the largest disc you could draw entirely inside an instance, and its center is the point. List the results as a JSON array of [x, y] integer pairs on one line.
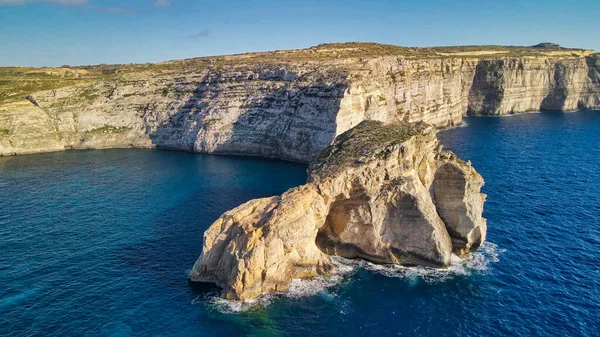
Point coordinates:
[[100, 243]]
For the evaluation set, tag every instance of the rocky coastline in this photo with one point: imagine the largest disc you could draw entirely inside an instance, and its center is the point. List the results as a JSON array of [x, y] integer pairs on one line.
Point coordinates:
[[283, 104], [364, 116]]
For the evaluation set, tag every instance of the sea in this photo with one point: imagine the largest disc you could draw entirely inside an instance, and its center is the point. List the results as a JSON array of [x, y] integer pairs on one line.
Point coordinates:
[[101, 243]]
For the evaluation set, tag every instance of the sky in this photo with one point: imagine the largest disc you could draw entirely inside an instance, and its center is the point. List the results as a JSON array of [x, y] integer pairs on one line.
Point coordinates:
[[80, 32]]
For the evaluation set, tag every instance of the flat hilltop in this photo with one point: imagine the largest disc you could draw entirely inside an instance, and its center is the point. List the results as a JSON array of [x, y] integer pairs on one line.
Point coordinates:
[[15, 82]]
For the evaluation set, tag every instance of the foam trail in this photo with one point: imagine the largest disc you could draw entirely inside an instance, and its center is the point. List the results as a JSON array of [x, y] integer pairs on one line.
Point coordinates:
[[16, 299], [476, 262]]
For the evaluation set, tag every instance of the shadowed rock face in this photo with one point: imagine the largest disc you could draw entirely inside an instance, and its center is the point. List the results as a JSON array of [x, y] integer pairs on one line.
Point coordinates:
[[383, 193], [456, 196]]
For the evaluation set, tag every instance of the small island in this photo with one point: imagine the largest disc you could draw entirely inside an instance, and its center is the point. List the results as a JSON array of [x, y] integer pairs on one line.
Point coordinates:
[[385, 193]]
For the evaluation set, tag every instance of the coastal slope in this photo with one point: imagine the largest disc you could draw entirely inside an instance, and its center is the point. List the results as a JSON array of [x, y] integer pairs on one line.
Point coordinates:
[[283, 104]]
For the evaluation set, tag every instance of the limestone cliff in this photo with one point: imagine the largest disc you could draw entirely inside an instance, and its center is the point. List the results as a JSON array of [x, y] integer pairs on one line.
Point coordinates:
[[384, 193], [284, 104]]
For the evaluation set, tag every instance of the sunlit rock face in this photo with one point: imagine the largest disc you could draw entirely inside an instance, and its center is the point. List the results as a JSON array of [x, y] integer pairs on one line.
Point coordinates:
[[290, 107], [383, 193]]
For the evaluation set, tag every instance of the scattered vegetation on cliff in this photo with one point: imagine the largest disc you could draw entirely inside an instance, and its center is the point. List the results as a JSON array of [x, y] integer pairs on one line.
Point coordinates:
[[548, 45], [18, 82], [110, 129], [369, 139], [367, 49], [4, 132]]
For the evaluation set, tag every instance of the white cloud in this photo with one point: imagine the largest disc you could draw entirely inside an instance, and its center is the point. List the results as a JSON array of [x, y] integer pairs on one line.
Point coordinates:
[[62, 2], [162, 3]]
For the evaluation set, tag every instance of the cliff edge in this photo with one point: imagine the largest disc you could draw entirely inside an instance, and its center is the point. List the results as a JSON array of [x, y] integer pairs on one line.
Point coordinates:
[[284, 104], [383, 193]]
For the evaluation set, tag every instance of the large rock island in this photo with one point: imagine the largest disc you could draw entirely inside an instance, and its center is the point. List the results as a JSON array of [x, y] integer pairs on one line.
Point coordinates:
[[383, 193]]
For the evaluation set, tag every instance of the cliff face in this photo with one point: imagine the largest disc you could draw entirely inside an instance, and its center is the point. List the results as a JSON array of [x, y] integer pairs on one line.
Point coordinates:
[[531, 84], [291, 106], [284, 112], [381, 193]]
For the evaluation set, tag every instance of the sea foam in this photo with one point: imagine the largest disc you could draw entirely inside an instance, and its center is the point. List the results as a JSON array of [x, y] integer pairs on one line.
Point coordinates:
[[477, 262]]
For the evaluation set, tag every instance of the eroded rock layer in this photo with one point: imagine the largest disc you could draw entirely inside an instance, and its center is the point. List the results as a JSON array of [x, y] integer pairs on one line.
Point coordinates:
[[383, 193], [290, 104]]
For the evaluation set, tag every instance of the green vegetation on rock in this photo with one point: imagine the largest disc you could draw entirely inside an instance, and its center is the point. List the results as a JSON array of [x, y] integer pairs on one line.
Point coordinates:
[[110, 129], [88, 93], [17, 82], [368, 140]]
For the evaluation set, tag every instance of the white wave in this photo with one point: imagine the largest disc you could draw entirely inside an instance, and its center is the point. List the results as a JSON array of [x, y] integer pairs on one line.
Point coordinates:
[[509, 114], [230, 306], [476, 262], [315, 285]]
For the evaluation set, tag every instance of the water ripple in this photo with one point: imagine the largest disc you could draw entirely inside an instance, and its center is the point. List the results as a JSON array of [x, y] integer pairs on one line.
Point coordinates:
[[99, 243]]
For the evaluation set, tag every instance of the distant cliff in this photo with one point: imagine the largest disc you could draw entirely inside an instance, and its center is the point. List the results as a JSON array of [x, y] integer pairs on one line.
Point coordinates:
[[283, 104]]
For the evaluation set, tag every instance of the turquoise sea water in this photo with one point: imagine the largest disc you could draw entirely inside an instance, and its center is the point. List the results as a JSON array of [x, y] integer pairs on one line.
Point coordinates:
[[99, 243]]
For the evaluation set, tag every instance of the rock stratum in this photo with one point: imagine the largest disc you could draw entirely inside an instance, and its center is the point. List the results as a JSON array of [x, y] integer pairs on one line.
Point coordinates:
[[383, 193], [283, 104]]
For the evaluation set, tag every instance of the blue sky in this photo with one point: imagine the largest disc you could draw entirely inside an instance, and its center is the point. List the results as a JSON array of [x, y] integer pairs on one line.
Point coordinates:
[[75, 32]]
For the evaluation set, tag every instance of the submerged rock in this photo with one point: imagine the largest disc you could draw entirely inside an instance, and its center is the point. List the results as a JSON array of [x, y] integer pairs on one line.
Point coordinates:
[[383, 193]]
